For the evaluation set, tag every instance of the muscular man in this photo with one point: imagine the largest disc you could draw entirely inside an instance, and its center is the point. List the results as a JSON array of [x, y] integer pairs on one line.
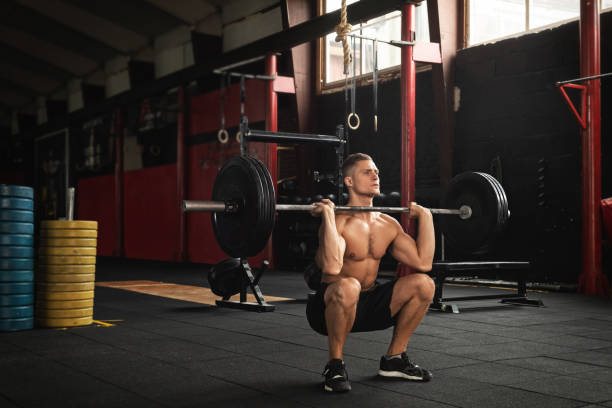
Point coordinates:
[[351, 245]]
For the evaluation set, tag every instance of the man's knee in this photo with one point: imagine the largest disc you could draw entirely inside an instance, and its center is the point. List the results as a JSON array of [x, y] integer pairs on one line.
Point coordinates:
[[345, 292], [419, 285]]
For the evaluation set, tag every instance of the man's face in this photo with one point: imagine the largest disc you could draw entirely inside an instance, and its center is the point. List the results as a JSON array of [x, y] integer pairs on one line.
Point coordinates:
[[364, 179]]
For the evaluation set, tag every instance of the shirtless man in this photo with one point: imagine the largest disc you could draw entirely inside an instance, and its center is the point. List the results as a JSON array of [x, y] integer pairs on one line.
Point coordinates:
[[351, 245]]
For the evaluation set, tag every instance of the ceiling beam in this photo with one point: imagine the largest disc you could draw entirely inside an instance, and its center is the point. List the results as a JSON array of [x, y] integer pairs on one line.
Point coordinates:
[[308, 31], [41, 26]]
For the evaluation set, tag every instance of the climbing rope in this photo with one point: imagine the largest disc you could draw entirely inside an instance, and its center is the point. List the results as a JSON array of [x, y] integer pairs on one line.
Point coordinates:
[[342, 30]]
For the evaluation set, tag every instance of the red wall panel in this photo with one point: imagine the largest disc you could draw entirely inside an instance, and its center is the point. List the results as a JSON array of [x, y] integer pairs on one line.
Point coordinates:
[[151, 213], [95, 201]]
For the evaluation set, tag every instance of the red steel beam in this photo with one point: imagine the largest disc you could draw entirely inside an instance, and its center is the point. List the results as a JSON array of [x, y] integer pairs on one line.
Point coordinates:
[[408, 98], [591, 281], [270, 149], [181, 121]]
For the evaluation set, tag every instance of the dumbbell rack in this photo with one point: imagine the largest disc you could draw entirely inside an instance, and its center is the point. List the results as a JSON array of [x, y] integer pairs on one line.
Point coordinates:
[[249, 281]]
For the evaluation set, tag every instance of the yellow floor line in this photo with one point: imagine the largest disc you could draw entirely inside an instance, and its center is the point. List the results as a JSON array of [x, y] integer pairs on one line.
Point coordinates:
[[196, 294]]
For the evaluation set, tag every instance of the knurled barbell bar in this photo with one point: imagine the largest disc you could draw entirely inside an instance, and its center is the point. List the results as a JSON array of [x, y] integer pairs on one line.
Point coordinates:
[[243, 208], [464, 212]]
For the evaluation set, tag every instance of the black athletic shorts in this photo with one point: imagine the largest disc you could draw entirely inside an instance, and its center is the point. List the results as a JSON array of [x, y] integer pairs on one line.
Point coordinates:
[[373, 312]]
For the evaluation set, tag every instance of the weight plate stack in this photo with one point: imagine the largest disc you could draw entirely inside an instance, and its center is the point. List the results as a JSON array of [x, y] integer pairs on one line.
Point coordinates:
[[476, 234], [16, 257], [244, 233], [65, 277]]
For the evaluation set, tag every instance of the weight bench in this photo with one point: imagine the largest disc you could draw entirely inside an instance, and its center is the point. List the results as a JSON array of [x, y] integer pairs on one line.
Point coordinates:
[[441, 270]]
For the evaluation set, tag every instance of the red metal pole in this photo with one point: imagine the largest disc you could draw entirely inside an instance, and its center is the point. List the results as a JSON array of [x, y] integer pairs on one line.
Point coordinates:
[[180, 170], [591, 281], [271, 125], [119, 129], [408, 98]]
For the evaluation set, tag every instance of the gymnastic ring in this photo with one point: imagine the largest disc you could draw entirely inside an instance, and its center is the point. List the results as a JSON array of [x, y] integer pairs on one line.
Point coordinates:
[[222, 136], [348, 121], [239, 136]]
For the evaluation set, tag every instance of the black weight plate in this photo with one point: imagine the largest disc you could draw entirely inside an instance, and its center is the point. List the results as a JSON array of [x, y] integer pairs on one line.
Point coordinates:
[[503, 201], [16, 215], [7, 227], [16, 288], [19, 264], [7, 190], [264, 174], [236, 233], [13, 203], [473, 235], [16, 276], [263, 232], [16, 239], [16, 324], [500, 205], [16, 252], [16, 312], [17, 300]]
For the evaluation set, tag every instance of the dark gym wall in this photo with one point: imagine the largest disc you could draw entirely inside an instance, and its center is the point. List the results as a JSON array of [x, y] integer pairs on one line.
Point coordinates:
[[511, 122]]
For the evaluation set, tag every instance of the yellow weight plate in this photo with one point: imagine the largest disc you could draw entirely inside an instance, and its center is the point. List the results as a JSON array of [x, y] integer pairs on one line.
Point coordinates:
[[64, 304], [66, 251], [65, 287], [63, 313], [69, 242], [64, 224], [66, 277], [48, 295], [67, 322], [66, 260], [42, 269], [69, 233]]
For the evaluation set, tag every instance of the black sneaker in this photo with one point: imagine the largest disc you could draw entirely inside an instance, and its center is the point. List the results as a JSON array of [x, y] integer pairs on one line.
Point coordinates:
[[403, 368], [336, 378]]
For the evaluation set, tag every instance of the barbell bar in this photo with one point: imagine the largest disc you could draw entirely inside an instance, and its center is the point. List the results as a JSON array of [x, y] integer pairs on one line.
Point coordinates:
[[464, 212], [243, 209]]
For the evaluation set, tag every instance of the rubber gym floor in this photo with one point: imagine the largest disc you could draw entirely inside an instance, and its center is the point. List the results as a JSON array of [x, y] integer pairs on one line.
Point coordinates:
[[150, 350]]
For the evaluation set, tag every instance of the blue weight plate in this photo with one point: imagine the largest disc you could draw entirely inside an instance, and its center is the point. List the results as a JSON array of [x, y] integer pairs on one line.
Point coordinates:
[[16, 239], [18, 264], [8, 227], [12, 203], [16, 215], [16, 252], [16, 276], [16, 312], [16, 324], [8, 190], [16, 288], [17, 300]]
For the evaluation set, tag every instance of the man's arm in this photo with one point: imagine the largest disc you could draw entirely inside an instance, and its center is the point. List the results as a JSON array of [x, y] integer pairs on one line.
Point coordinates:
[[416, 254], [330, 254]]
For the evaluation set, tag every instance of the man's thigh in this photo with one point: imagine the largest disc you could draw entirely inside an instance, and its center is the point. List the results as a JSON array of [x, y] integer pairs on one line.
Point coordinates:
[[373, 309]]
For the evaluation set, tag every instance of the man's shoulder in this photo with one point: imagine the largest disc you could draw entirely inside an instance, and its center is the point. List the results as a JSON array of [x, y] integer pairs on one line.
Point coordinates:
[[388, 219]]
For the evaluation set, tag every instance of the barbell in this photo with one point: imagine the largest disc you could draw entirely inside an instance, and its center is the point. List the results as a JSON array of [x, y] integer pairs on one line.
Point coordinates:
[[243, 208]]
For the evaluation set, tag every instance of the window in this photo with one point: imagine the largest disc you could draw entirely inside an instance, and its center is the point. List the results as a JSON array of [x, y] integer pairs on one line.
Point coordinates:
[[387, 27], [493, 19]]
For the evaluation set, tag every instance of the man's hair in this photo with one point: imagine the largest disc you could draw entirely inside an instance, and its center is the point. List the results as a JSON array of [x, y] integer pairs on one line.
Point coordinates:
[[351, 160]]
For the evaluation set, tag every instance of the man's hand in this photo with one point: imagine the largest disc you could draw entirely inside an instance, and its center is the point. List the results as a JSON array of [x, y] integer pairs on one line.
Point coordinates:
[[416, 210], [324, 206]]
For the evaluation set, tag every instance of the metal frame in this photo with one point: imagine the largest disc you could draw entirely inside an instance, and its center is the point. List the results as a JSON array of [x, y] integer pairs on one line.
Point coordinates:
[[441, 270], [37, 140], [251, 282]]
